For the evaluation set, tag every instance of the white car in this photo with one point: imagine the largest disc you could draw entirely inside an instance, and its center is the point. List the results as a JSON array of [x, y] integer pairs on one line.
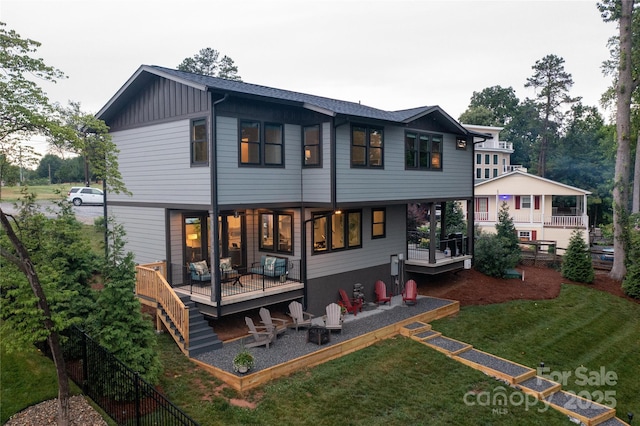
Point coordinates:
[[80, 195]]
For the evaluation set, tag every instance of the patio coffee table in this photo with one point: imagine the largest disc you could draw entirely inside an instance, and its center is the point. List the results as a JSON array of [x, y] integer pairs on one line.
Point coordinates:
[[318, 334], [233, 276]]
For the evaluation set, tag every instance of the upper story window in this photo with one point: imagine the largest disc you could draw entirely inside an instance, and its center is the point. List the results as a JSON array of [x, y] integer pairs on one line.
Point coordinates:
[[378, 223], [337, 231], [495, 158], [423, 151], [487, 158], [276, 232], [199, 146], [367, 147], [478, 158], [261, 144], [311, 146]]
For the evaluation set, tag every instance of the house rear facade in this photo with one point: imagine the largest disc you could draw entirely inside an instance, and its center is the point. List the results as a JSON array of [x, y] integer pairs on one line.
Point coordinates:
[[222, 169]]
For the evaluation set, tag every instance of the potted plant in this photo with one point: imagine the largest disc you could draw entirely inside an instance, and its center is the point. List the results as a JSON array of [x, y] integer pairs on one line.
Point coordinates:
[[243, 361]]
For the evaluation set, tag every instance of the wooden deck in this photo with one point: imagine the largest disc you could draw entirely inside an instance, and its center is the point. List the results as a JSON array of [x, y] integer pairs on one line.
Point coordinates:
[[328, 353]]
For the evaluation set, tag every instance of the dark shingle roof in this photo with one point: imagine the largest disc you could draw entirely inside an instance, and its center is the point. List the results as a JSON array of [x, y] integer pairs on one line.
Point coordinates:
[[333, 105], [328, 106]]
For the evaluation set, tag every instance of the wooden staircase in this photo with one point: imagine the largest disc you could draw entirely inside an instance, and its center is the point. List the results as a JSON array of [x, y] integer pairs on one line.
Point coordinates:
[[202, 338]]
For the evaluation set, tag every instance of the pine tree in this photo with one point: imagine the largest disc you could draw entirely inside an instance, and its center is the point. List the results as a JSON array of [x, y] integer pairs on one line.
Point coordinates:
[[507, 231], [117, 323], [576, 263]]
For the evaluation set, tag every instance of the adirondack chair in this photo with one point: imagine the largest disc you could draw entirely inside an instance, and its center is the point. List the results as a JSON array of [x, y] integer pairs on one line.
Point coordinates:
[[279, 326], [410, 293], [381, 293], [351, 305], [261, 336], [333, 318], [300, 318]]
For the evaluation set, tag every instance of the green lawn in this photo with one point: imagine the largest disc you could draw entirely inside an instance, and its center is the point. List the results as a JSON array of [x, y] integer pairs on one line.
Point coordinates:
[[400, 381], [43, 192]]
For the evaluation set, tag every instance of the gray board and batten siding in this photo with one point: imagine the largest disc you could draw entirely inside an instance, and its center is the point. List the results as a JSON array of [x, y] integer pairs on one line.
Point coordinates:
[[160, 100]]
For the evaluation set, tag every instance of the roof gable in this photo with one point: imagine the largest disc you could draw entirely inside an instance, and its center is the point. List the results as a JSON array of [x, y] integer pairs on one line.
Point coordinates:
[[519, 182]]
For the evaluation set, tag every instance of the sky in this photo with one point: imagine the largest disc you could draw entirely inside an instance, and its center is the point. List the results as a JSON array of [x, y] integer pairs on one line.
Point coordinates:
[[388, 54]]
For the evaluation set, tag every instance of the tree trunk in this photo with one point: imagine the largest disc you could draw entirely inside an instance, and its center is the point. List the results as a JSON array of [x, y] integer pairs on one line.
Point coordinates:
[[23, 261], [635, 205], [621, 185]]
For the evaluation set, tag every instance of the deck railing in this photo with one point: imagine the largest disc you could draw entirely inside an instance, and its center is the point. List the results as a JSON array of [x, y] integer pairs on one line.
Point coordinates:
[[151, 283], [244, 281]]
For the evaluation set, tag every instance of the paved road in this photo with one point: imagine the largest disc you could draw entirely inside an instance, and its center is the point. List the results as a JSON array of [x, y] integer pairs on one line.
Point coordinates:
[[85, 214]]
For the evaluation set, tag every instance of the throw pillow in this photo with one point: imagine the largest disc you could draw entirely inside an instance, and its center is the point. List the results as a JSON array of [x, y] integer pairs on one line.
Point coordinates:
[[201, 267], [225, 264], [269, 263]]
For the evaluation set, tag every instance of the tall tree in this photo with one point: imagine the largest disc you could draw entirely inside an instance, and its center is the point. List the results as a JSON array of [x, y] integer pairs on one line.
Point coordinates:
[[207, 62], [24, 111], [553, 83], [85, 135], [500, 101], [625, 83]]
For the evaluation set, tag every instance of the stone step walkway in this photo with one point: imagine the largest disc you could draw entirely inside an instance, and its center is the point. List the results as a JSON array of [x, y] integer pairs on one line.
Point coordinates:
[[518, 376]]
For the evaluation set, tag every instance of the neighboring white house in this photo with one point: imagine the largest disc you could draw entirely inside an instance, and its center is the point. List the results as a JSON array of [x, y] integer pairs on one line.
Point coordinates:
[[541, 209]]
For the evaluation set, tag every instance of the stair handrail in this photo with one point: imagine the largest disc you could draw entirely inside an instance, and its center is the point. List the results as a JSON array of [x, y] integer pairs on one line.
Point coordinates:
[[150, 283]]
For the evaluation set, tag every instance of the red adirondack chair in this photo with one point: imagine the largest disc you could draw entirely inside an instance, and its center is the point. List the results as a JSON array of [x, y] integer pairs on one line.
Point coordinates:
[[381, 293], [352, 305], [410, 293]]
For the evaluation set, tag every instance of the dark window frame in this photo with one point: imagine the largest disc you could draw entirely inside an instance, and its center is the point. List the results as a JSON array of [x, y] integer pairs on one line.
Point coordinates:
[[374, 223], [318, 146], [276, 232], [422, 154], [328, 243], [194, 142], [262, 144], [368, 148]]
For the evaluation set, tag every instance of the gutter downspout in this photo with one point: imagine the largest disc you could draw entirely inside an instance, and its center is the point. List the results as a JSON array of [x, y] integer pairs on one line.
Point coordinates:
[[213, 231]]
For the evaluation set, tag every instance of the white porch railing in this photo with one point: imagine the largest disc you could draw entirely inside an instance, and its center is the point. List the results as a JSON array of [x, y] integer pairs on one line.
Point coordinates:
[[559, 221]]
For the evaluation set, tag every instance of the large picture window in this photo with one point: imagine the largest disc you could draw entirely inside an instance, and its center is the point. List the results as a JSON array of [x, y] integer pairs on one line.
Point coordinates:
[[337, 231], [312, 147], [423, 151], [367, 147], [199, 147], [276, 232], [261, 145]]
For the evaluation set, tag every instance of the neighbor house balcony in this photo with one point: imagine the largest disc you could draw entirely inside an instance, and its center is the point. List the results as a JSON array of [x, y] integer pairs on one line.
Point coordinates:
[[577, 220], [493, 144]]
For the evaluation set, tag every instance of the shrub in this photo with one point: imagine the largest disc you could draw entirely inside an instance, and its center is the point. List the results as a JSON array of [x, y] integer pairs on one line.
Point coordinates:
[[576, 264], [493, 255]]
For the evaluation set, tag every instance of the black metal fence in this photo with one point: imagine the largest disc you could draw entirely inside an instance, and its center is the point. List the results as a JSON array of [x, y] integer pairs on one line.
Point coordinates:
[[119, 391]]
